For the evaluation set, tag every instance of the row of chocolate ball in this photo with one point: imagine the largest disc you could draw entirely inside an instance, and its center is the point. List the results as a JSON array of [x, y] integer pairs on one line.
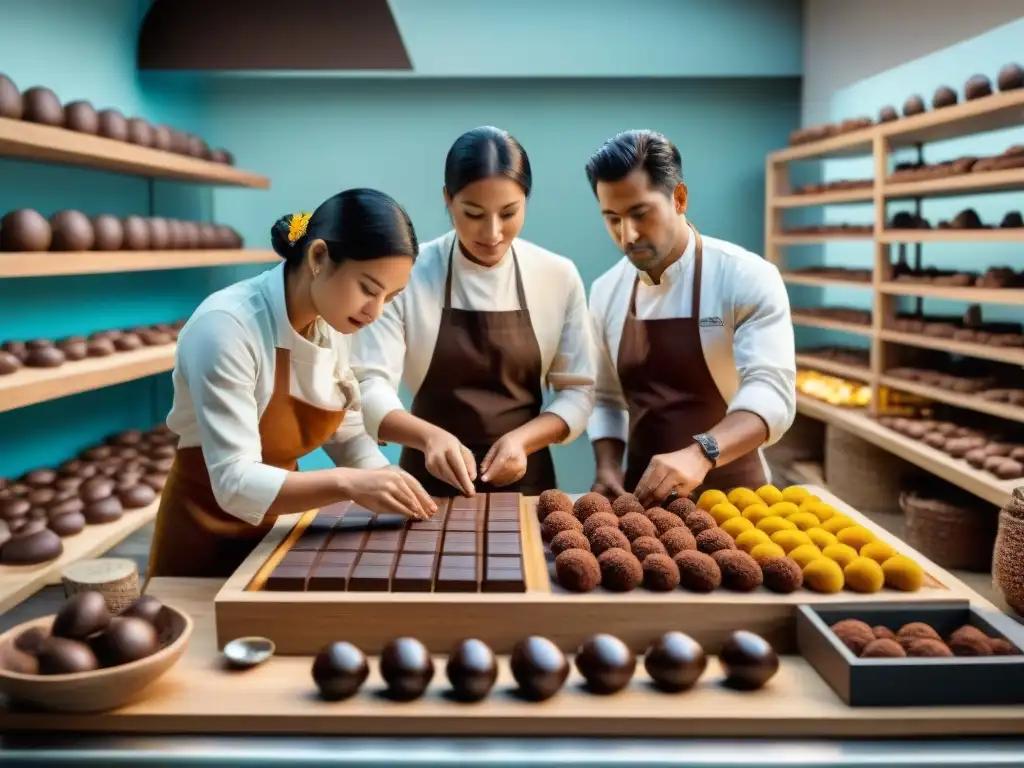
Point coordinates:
[[41, 105], [674, 662], [918, 639], [25, 230]]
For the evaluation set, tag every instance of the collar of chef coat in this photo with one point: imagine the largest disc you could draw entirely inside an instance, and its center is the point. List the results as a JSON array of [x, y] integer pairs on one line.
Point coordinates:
[[466, 261], [301, 348], [677, 269]]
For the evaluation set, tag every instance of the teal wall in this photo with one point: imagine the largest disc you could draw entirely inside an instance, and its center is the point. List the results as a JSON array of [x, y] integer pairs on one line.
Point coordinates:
[[984, 54]]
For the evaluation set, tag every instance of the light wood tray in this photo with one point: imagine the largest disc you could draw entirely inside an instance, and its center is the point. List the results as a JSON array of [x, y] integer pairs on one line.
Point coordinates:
[[303, 622]]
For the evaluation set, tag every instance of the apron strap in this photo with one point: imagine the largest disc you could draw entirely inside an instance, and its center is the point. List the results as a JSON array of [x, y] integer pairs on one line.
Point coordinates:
[[520, 290], [282, 370], [697, 261]]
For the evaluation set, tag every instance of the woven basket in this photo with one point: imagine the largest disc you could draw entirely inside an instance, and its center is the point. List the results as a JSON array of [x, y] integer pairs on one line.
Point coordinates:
[[953, 534], [865, 477], [1008, 560]]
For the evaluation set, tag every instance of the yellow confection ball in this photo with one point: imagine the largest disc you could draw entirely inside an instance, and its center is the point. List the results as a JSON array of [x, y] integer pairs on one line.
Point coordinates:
[[747, 540], [864, 575], [734, 526], [742, 498], [755, 513], [823, 575], [766, 551], [855, 536], [774, 524], [819, 509], [903, 573], [784, 509], [769, 494], [843, 554], [804, 520], [724, 511], [795, 494], [808, 501], [878, 551], [790, 540], [821, 538], [708, 499], [803, 554], [836, 523]]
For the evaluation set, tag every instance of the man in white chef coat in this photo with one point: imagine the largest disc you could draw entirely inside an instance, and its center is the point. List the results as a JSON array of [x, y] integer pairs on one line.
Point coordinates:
[[697, 367]]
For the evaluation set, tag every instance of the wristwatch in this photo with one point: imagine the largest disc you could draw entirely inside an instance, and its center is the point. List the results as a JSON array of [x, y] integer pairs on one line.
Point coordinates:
[[709, 445]]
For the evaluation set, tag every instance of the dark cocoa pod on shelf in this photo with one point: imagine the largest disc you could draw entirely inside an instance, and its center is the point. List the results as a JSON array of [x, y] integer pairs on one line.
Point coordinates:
[[113, 125], [81, 116], [11, 102], [1010, 77], [977, 87], [25, 230], [72, 231], [914, 105], [41, 105], [109, 233], [140, 132]]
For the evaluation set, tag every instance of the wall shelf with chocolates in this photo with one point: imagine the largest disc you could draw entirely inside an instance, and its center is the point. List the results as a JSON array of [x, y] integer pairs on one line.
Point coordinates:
[[964, 425], [95, 263]]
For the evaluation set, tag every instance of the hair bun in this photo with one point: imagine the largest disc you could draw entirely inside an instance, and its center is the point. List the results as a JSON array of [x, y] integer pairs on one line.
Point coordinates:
[[279, 236]]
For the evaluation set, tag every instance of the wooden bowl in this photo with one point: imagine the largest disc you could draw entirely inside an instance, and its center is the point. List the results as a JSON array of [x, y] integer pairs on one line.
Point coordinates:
[[99, 690]]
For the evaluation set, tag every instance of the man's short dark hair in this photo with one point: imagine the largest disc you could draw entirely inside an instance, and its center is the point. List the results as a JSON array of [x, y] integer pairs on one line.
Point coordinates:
[[626, 152]]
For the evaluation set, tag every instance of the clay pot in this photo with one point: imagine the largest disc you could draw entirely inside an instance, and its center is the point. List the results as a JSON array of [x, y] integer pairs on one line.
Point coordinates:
[[1008, 560]]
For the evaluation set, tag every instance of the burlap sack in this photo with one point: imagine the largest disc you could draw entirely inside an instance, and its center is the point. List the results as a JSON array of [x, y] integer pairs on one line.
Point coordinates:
[[1008, 559]]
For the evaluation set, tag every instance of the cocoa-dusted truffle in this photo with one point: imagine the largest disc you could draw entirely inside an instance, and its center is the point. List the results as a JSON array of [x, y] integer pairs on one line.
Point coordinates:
[[553, 501], [620, 571], [1002, 647], [664, 521], [590, 504], [661, 574], [577, 570], [681, 507], [888, 114], [916, 630], [927, 647], [678, 540], [944, 97], [977, 87], [699, 521], [569, 540], [969, 641], [882, 648], [635, 525], [781, 575], [1010, 77], [697, 572], [883, 633], [740, 572], [914, 105], [599, 520], [627, 503], [557, 522], [647, 545], [606, 538], [713, 540], [854, 634]]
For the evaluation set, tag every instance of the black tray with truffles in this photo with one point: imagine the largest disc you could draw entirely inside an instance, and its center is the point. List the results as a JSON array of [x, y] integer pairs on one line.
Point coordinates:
[[911, 655]]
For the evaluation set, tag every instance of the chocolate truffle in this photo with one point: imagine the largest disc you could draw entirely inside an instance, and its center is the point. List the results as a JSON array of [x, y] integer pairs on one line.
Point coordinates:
[[647, 545], [137, 496], [627, 503], [681, 507], [160, 236], [140, 132], [882, 648], [569, 540], [556, 522], [713, 540], [944, 97], [18, 661], [635, 525], [698, 572], [977, 87], [914, 105], [44, 357], [108, 231], [25, 230], [145, 607], [11, 104], [61, 656], [539, 668], [1003, 647], [854, 634], [41, 105], [8, 363], [67, 524], [553, 501], [32, 549], [127, 639], [605, 663], [339, 671], [675, 662], [883, 633], [888, 114], [72, 231], [929, 647], [81, 615], [699, 521], [407, 668], [665, 521], [590, 504], [740, 572], [31, 640], [472, 670], [161, 138], [136, 233], [1010, 77], [969, 641], [113, 125], [678, 540], [577, 570], [103, 511], [222, 156], [620, 570], [748, 660], [661, 574], [606, 538], [597, 520], [916, 630], [781, 575], [81, 116]]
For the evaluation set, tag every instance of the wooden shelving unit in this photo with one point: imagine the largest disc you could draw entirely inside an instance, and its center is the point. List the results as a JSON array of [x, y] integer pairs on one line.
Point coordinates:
[[998, 111], [49, 264]]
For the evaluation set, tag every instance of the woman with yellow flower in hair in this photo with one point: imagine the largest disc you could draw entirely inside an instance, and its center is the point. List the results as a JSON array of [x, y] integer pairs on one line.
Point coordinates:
[[262, 378]]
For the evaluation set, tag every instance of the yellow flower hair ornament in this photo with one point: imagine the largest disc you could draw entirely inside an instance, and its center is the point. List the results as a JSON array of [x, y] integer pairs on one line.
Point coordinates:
[[297, 226]]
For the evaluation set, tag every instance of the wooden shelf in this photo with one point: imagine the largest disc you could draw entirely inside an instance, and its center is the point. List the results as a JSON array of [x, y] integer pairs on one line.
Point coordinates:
[[44, 143], [991, 113], [816, 280], [957, 399], [865, 195], [996, 235], [1012, 296], [1012, 355], [846, 371], [37, 385], [850, 144], [986, 181], [52, 264], [819, 239], [955, 471], [831, 325]]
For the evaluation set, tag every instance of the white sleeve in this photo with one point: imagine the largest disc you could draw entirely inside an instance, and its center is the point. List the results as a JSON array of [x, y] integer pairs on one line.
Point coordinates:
[[352, 447], [764, 351], [378, 360], [610, 418], [219, 362], [572, 371]]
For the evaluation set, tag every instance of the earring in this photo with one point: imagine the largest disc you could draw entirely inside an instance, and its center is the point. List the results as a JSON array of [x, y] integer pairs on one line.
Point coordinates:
[[316, 270]]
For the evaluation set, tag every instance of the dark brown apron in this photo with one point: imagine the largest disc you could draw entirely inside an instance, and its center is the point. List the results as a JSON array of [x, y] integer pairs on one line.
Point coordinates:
[[483, 381], [670, 392], [194, 537]]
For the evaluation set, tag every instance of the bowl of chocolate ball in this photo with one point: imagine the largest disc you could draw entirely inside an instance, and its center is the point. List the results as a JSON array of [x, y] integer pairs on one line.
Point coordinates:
[[84, 659]]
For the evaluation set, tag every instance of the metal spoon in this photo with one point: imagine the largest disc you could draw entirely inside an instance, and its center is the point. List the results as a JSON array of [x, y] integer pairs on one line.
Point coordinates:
[[246, 652]]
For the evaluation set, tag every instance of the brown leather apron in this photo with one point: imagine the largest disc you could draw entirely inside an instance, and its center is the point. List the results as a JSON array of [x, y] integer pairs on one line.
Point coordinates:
[[194, 537], [670, 392], [482, 382]]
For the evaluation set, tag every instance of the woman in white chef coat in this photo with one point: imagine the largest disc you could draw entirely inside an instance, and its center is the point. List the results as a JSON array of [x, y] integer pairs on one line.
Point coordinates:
[[487, 323], [262, 378]]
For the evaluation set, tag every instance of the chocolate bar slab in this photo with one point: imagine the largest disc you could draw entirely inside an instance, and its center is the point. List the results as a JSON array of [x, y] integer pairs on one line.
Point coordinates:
[[504, 574], [288, 578], [422, 542], [332, 572], [457, 573], [460, 543], [498, 543], [372, 572], [312, 540], [414, 573]]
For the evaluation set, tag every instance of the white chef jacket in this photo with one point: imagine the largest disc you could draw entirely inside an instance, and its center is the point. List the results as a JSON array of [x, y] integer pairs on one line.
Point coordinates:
[[745, 330], [224, 376], [398, 347]]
